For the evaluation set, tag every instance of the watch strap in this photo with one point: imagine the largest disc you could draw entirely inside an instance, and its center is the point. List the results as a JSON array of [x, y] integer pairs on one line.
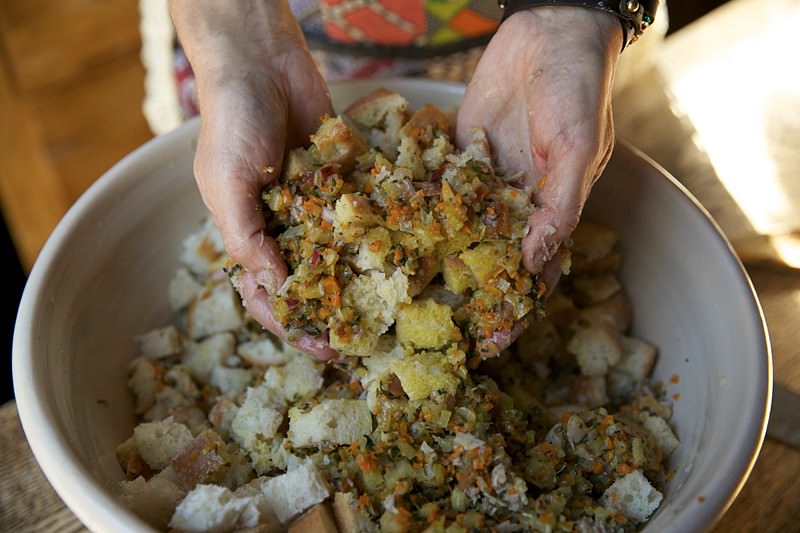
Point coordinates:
[[634, 15]]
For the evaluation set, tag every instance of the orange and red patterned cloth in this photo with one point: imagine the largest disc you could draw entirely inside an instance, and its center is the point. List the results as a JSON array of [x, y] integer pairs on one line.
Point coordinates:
[[375, 38]]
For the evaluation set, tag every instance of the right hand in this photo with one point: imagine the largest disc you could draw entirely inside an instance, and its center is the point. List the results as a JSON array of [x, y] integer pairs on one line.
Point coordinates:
[[259, 93]]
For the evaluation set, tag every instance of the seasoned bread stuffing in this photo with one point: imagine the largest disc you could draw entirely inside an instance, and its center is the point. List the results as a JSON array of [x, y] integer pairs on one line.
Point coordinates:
[[414, 430], [381, 206]]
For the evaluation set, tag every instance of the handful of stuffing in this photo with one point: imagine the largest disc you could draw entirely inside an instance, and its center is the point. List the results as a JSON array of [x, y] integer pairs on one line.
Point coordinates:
[[387, 228]]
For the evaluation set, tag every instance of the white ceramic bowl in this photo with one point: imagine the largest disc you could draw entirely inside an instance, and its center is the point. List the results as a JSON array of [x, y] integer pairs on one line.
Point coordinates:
[[103, 274]]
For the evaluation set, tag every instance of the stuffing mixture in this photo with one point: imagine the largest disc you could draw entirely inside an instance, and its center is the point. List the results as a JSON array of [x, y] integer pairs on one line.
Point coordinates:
[[407, 253]]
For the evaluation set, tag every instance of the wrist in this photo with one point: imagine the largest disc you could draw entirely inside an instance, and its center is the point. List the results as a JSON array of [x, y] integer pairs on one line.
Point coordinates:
[[632, 16], [224, 38], [562, 27]]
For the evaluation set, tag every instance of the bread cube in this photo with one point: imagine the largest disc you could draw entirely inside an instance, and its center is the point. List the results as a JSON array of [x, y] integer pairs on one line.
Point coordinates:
[[331, 421], [298, 162], [290, 494], [595, 347], [665, 438], [230, 381], [318, 519], [381, 114], [202, 357], [144, 382], [593, 241], [208, 508], [259, 415], [616, 310], [350, 518], [215, 310], [203, 249], [632, 496], [424, 124], [595, 288], [436, 154], [425, 324], [486, 260], [183, 288], [638, 358], [160, 343], [373, 248], [262, 352], [375, 298], [158, 442], [353, 216], [300, 378], [153, 500], [422, 373], [538, 343], [338, 143], [589, 391], [457, 275]]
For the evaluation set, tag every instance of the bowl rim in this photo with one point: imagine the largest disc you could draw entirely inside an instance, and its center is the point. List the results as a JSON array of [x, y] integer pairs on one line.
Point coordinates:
[[76, 485], [717, 504]]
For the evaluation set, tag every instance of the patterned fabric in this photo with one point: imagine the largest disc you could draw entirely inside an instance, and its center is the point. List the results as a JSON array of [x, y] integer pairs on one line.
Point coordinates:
[[355, 39], [397, 27]]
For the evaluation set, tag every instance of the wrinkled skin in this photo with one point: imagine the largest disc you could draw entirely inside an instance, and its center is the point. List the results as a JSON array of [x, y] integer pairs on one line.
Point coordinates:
[[541, 91]]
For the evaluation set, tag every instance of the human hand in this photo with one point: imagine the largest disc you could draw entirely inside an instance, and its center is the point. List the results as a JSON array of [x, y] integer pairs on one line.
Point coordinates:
[[259, 92], [542, 92]]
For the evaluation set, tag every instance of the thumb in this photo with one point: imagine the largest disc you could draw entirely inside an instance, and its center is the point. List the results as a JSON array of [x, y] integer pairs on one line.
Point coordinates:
[[235, 160]]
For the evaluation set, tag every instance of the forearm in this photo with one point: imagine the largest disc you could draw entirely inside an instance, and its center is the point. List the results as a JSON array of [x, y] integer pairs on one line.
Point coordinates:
[[221, 38]]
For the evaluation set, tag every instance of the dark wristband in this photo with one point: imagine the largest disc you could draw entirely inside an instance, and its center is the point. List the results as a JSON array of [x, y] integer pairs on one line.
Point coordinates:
[[634, 15]]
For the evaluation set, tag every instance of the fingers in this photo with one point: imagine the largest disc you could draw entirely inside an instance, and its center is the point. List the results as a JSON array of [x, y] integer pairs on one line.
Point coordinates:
[[258, 305], [499, 341], [239, 153], [570, 158]]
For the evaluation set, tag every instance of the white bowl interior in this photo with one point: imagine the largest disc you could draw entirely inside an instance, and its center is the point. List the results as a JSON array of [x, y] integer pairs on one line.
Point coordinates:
[[102, 279]]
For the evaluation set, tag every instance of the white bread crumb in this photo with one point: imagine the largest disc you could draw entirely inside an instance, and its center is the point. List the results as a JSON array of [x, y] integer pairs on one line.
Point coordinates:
[[375, 297], [208, 509], [158, 442], [203, 356], [300, 378], [258, 415], [661, 432], [160, 342], [638, 358], [291, 493], [231, 381], [331, 421], [263, 352], [596, 347], [183, 288], [202, 249], [215, 310], [632, 496]]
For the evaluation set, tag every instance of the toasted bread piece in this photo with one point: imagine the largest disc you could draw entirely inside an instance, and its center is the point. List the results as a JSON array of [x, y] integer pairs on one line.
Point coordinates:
[[337, 143], [318, 519]]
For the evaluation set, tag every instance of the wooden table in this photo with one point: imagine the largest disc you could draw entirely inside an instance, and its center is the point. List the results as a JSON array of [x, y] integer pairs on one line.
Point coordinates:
[[676, 133]]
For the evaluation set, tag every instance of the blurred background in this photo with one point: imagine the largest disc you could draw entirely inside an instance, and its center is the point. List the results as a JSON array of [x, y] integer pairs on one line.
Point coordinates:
[[72, 86]]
